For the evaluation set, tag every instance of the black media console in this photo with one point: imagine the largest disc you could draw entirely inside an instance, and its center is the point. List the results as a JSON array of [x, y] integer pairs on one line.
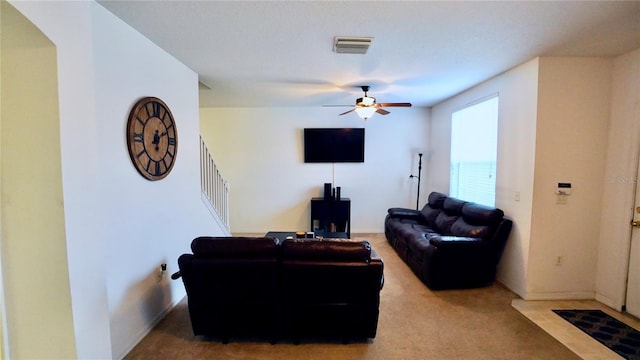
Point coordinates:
[[331, 217]]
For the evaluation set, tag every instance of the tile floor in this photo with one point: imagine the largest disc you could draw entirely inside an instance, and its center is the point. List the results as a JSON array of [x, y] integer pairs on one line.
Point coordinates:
[[580, 343]]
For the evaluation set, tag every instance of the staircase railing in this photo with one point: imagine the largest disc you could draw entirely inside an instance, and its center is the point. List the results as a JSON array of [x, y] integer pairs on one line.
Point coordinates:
[[215, 189]]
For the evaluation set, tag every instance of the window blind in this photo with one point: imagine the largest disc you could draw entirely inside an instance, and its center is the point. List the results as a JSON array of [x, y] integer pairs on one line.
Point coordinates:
[[474, 136]]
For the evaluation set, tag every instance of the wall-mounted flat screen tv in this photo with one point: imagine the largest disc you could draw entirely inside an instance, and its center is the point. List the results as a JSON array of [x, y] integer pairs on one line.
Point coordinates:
[[331, 145]]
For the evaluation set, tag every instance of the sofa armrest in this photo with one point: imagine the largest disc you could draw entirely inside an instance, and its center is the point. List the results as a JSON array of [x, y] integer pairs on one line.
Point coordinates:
[[377, 262], [457, 242], [404, 213]]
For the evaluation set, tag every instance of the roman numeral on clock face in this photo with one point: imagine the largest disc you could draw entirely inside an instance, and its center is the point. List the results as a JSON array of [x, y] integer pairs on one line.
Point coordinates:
[[138, 137], [156, 109]]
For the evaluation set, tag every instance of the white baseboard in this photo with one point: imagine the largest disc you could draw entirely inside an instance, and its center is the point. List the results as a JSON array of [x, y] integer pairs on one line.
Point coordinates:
[[609, 302], [586, 295]]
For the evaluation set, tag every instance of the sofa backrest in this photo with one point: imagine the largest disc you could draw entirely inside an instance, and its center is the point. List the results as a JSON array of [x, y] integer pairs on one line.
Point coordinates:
[[433, 207], [330, 271], [245, 267], [233, 285], [234, 247], [451, 216], [337, 250]]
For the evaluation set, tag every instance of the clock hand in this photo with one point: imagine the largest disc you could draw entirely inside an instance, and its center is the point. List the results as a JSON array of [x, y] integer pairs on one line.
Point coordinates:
[[156, 140]]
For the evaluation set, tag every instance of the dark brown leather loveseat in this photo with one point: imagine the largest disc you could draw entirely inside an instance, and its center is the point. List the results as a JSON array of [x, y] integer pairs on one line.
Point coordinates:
[[239, 286], [449, 243]]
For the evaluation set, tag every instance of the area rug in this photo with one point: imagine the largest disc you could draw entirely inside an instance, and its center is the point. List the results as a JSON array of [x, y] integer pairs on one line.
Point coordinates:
[[617, 336]]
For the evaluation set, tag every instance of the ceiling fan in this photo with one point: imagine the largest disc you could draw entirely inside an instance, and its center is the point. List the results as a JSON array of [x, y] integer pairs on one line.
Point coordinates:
[[366, 106]]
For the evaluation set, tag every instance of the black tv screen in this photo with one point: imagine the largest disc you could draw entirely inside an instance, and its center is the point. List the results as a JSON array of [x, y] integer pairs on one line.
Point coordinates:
[[330, 145]]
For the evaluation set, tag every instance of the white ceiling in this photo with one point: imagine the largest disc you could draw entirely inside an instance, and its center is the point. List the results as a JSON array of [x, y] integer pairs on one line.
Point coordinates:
[[280, 53]]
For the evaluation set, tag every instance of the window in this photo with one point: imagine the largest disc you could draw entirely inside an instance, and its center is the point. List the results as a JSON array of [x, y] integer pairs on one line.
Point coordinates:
[[474, 147]]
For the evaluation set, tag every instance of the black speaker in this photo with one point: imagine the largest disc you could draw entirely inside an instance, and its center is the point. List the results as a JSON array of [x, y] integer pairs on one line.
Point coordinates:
[[338, 193], [327, 191]]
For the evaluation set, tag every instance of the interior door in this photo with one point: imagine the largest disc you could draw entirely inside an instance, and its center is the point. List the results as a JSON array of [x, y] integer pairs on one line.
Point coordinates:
[[633, 277], [632, 303]]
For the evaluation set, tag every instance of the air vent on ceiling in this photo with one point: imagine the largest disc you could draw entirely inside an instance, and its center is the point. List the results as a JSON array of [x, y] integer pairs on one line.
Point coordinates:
[[351, 44]]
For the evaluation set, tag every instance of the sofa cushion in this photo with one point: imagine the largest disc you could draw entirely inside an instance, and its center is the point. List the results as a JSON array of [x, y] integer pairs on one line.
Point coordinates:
[[328, 250], [417, 246], [461, 228], [457, 242], [436, 200], [453, 206], [430, 214], [444, 223], [423, 229], [477, 214], [226, 247], [401, 226], [405, 230]]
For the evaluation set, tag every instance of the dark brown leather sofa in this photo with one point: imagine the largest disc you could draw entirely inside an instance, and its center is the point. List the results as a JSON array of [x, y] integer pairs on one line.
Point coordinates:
[[296, 289], [449, 243]]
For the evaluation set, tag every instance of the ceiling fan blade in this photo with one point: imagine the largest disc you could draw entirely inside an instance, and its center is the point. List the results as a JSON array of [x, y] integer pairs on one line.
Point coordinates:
[[346, 112], [382, 111], [406, 104], [337, 105]]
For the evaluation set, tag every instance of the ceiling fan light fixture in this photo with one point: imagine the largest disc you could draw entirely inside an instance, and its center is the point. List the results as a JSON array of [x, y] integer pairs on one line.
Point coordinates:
[[366, 106], [351, 44], [365, 101], [365, 112]]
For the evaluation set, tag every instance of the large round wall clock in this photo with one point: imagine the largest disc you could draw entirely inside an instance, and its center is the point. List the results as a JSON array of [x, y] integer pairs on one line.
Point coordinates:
[[152, 138]]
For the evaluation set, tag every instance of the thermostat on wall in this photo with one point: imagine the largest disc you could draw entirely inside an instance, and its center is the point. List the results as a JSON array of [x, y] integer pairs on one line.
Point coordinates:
[[564, 189]]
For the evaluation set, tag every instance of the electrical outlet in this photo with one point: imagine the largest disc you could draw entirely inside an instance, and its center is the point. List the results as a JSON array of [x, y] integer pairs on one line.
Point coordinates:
[[517, 196], [162, 271]]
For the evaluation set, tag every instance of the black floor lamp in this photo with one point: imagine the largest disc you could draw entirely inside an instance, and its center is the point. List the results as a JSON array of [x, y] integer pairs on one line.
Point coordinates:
[[413, 176]]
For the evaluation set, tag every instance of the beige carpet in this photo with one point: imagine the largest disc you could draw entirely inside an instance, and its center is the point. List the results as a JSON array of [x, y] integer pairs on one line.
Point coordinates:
[[415, 323]]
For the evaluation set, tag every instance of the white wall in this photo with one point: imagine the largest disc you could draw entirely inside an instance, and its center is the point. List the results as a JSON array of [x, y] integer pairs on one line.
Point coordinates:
[[573, 119], [620, 179], [119, 226], [517, 90], [259, 151]]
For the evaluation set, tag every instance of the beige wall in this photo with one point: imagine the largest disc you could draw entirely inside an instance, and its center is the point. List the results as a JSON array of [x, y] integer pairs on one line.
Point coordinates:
[[34, 252], [573, 119], [260, 152]]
